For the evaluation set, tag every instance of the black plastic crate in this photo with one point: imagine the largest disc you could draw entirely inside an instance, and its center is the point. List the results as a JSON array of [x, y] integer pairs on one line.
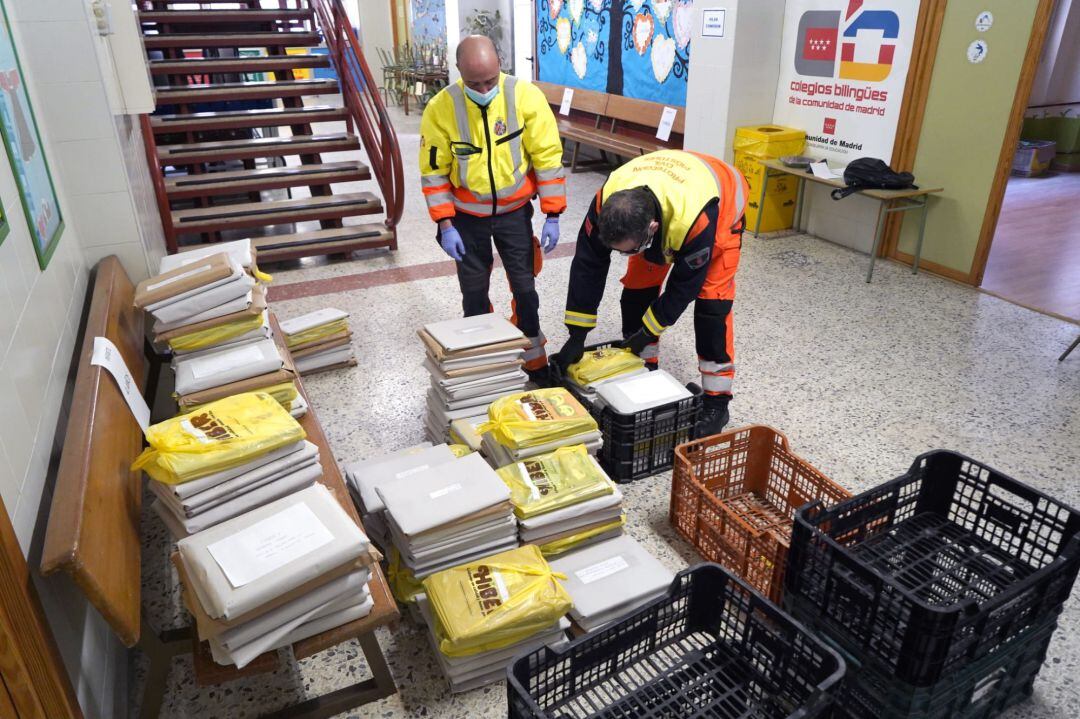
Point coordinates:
[[712, 647], [639, 444], [935, 569]]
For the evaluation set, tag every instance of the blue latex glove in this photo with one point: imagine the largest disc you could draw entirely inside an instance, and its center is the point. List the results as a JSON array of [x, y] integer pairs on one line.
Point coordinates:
[[550, 235], [451, 243]]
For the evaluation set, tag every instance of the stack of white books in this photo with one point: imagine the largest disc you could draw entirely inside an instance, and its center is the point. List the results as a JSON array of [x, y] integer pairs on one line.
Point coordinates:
[[320, 340], [448, 514], [472, 361], [631, 393], [274, 576], [609, 580], [364, 479], [197, 505], [214, 373], [500, 455]]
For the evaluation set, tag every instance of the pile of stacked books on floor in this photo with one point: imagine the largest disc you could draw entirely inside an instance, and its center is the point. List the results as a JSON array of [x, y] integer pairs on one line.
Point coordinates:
[[319, 340], [629, 394], [365, 477], [563, 500], [484, 613], [210, 310], [608, 580], [226, 459], [284, 572], [448, 514], [472, 361], [600, 365], [528, 424]]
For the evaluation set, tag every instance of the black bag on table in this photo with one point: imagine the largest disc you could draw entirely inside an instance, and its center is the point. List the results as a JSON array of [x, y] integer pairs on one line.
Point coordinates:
[[870, 173]]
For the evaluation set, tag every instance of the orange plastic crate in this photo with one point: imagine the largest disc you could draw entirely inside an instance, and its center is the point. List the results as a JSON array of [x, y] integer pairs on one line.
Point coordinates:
[[733, 497]]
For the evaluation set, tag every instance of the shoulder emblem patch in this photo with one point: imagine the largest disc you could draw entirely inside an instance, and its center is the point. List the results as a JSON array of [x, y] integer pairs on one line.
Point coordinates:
[[698, 259]]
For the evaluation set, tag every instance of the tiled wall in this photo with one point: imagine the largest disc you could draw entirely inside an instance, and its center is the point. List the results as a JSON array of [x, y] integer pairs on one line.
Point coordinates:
[[108, 207]]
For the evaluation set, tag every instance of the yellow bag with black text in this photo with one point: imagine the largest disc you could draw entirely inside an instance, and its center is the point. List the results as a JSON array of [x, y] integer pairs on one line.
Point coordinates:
[[603, 363], [314, 334], [528, 419], [495, 602], [223, 434], [551, 481], [217, 335], [285, 393], [558, 546], [403, 583]]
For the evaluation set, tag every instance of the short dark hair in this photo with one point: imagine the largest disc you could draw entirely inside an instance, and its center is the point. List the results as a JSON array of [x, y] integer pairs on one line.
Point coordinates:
[[626, 214]]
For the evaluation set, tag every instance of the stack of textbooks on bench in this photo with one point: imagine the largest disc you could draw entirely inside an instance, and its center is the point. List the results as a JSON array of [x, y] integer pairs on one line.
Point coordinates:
[[319, 340], [448, 514], [279, 574], [528, 424], [472, 362], [484, 613], [215, 482], [608, 580], [563, 500]]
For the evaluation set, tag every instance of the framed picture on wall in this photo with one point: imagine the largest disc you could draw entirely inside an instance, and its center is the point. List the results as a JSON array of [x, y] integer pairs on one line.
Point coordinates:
[[26, 152]]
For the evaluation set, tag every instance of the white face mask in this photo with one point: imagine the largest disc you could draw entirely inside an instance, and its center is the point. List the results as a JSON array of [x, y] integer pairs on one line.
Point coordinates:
[[482, 99]]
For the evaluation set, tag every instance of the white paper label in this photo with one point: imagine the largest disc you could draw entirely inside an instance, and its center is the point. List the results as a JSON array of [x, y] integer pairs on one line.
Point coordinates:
[[984, 21], [224, 362], [821, 170], [177, 278], [419, 88], [534, 491], [445, 491], [500, 584], [410, 472], [667, 120], [713, 21], [977, 51], [106, 355], [474, 330], [270, 544], [598, 571], [312, 319], [647, 388], [567, 98]]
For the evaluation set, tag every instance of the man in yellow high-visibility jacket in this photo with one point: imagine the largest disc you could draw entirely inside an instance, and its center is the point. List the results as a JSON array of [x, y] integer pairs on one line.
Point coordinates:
[[489, 143]]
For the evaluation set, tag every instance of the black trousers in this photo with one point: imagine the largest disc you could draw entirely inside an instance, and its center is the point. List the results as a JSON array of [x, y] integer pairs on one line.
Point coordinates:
[[512, 235]]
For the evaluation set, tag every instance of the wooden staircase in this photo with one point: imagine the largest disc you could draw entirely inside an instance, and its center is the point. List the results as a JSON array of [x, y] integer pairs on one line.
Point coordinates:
[[232, 148]]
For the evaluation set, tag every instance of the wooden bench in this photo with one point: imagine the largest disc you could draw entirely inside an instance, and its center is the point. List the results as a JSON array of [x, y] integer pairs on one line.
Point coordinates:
[[622, 126], [93, 526]]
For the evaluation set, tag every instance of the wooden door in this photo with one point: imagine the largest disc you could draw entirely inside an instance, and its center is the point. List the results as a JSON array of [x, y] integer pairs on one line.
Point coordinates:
[[33, 681]]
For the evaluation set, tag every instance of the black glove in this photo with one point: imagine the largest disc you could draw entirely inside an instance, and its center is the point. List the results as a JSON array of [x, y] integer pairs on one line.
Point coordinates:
[[638, 341], [572, 351]]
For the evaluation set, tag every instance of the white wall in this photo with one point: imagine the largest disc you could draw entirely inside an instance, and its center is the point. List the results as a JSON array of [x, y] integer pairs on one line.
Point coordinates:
[[732, 78], [376, 28], [1058, 78], [108, 208]]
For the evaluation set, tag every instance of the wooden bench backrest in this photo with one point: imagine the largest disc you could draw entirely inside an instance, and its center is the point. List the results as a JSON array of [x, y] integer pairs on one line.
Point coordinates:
[[93, 530], [642, 112], [584, 100]]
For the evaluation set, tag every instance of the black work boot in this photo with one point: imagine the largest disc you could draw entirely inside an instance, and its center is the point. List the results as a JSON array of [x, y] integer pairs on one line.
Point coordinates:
[[540, 377], [714, 416]]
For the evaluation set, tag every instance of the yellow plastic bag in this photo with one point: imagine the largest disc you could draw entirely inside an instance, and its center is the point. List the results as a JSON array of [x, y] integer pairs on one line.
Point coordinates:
[[604, 363], [494, 602], [554, 480], [285, 393], [403, 583], [315, 334], [528, 419], [460, 450], [223, 434], [260, 275], [558, 546], [217, 335]]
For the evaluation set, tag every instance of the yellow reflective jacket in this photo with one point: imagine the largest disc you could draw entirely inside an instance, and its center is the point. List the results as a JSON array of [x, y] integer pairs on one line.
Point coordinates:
[[490, 160]]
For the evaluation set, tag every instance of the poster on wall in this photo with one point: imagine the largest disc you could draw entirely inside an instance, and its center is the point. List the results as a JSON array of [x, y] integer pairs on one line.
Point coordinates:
[[25, 151], [634, 48], [843, 67], [429, 24]]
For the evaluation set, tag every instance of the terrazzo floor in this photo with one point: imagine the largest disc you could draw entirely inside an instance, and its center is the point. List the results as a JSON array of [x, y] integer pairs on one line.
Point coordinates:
[[862, 379]]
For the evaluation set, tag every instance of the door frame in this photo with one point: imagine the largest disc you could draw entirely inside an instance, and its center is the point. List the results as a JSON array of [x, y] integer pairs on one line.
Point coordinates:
[[1012, 135]]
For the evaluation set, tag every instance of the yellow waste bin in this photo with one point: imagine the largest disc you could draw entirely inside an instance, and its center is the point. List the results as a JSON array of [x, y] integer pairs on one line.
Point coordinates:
[[767, 142]]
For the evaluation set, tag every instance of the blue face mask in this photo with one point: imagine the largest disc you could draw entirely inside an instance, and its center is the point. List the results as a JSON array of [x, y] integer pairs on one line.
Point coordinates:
[[482, 99]]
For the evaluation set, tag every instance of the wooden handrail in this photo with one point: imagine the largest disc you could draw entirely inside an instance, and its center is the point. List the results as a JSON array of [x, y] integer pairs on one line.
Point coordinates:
[[157, 177], [366, 109]]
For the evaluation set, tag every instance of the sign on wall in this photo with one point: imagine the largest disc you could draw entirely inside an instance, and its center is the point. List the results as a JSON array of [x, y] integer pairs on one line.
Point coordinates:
[[26, 152], [843, 67], [634, 48]]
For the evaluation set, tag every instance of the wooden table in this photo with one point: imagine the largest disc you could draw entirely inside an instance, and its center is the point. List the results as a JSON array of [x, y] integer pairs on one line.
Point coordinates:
[[911, 199]]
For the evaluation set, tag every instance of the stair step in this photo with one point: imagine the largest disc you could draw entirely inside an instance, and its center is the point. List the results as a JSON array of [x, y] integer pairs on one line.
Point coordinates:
[[278, 212], [235, 119], [195, 41], [260, 90], [259, 147], [188, 17], [212, 65], [269, 178], [276, 248]]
